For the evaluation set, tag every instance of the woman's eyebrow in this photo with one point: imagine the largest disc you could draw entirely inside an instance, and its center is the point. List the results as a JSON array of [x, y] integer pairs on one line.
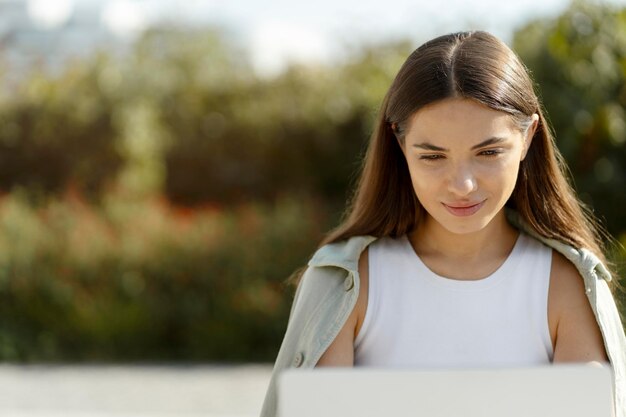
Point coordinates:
[[491, 141], [430, 147]]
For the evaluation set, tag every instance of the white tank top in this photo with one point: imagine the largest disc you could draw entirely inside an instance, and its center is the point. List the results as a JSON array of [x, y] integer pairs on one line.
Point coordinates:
[[416, 318]]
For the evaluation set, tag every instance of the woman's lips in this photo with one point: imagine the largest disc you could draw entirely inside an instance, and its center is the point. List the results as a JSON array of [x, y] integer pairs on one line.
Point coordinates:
[[464, 210]]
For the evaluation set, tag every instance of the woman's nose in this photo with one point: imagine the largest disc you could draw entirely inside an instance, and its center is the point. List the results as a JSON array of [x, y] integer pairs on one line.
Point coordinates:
[[462, 181]]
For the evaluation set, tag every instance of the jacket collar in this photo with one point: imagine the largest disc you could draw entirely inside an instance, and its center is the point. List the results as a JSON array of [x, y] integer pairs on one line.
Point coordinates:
[[345, 254]]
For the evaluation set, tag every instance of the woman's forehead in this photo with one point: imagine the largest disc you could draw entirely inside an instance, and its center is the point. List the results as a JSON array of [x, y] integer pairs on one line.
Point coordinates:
[[458, 118]]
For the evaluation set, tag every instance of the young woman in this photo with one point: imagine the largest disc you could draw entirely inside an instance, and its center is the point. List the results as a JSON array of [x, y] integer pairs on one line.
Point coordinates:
[[464, 245]]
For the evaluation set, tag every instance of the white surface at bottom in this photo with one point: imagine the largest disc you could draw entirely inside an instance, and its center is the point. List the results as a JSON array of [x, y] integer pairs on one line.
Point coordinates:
[[132, 391], [550, 391]]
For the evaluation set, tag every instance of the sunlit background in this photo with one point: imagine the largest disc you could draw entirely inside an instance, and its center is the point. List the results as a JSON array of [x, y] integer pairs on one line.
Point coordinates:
[[166, 165]]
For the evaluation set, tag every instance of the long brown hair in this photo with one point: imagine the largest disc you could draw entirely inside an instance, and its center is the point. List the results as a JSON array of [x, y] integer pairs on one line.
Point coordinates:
[[478, 66]]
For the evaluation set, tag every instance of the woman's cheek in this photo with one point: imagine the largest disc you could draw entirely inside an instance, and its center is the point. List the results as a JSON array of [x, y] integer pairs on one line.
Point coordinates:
[[423, 184], [501, 167]]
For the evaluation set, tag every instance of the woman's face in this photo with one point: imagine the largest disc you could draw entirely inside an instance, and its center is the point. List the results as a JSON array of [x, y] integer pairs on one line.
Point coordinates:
[[464, 158]]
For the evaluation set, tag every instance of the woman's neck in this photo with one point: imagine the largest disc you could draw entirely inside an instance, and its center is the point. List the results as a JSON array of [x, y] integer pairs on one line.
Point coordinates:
[[431, 239]]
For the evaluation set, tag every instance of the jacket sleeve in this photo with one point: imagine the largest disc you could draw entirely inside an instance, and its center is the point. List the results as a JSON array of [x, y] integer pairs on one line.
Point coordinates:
[[615, 342], [319, 304]]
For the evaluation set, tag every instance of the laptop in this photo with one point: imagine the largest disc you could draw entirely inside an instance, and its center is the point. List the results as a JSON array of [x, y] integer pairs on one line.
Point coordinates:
[[560, 390]]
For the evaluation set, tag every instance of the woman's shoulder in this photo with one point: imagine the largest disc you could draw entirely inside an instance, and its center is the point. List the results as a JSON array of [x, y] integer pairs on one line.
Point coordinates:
[[574, 326], [344, 253], [565, 278]]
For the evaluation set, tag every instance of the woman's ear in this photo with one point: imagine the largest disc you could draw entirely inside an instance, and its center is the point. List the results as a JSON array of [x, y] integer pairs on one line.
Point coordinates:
[[529, 134]]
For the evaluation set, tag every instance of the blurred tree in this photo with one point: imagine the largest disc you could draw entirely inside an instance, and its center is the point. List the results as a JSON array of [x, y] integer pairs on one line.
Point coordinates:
[[579, 62], [56, 132], [183, 113], [171, 84], [302, 132]]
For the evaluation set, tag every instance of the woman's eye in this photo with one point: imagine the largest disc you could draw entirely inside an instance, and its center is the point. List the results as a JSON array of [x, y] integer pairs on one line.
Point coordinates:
[[431, 157], [490, 152]]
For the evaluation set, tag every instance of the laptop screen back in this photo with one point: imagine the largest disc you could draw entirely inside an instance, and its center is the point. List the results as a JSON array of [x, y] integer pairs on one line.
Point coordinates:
[[572, 390]]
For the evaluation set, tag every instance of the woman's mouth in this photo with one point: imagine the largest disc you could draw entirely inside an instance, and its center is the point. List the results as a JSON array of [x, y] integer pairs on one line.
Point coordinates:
[[463, 210]]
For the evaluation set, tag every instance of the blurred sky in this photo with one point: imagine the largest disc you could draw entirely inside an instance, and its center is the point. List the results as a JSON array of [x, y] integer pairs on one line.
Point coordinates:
[[277, 31]]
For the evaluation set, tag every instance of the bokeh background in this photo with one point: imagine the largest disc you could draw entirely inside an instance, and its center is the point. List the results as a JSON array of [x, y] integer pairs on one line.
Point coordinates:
[[165, 166]]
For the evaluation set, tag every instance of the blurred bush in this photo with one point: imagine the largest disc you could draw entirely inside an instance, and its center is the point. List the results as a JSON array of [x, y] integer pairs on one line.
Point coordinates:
[[145, 281]]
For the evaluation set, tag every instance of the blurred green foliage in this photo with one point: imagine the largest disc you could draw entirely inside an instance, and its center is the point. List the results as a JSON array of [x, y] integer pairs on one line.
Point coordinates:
[[153, 205], [579, 63], [142, 280], [55, 132]]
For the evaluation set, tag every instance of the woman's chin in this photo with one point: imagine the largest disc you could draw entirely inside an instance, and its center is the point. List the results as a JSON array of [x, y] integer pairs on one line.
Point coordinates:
[[462, 225]]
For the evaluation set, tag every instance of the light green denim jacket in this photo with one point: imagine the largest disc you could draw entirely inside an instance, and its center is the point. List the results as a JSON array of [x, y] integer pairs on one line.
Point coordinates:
[[329, 290]]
